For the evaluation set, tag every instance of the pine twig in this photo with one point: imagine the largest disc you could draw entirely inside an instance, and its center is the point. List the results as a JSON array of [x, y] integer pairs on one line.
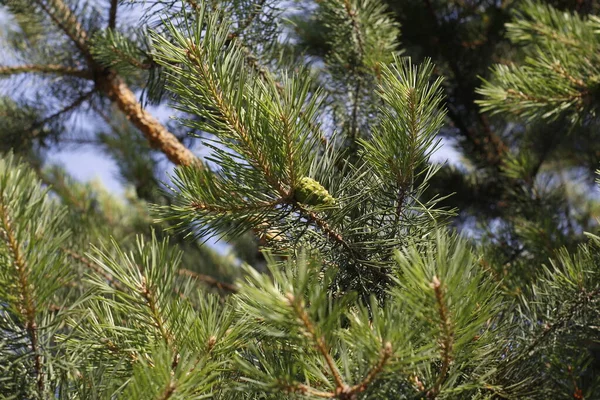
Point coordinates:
[[112, 13], [46, 69], [209, 280], [342, 390], [385, 354], [266, 74], [319, 342], [168, 392], [76, 103], [149, 295], [27, 306], [93, 267], [63, 18], [446, 340], [115, 88]]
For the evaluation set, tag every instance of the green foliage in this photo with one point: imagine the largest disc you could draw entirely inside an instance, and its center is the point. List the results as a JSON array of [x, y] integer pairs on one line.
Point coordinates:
[[323, 153], [560, 74], [33, 273], [266, 152]]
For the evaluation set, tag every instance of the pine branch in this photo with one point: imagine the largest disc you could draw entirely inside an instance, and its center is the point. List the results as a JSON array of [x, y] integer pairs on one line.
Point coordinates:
[[209, 280], [63, 17], [549, 329], [117, 90], [360, 52], [318, 340], [446, 340], [248, 21], [356, 28], [386, 353], [76, 103], [112, 14], [149, 295], [343, 390], [235, 124], [267, 75], [156, 133], [27, 307], [93, 267], [46, 69]]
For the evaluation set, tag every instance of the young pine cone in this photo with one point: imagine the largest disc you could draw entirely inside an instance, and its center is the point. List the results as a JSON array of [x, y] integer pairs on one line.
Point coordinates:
[[308, 191]]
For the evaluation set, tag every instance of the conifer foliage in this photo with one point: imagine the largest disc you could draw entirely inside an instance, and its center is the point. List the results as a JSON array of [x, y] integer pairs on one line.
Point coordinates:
[[319, 155]]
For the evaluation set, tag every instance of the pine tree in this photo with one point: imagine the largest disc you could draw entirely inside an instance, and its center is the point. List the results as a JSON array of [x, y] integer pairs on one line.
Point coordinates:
[[321, 148]]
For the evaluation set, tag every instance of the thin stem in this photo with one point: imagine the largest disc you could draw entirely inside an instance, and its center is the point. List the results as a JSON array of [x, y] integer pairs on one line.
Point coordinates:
[[63, 17], [93, 267], [446, 339], [356, 28], [354, 123], [248, 21], [46, 69], [112, 14], [386, 353], [149, 295], [360, 50], [76, 103], [318, 340], [209, 280], [26, 303], [168, 392], [491, 148], [567, 316]]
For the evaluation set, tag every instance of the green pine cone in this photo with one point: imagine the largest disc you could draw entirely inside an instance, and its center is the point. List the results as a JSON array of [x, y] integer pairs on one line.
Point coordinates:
[[311, 192]]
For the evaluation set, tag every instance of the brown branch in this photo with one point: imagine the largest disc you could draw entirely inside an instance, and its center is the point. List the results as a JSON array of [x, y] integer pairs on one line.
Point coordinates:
[[567, 316], [235, 125], [157, 134], [446, 339], [93, 267], [112, 13], [307, 390], [209, 280], [46, 69], [63, 17], [318, 340], [386, 353], [26, 303], [354, 123], [117, 90], [76, 103], [168, 392], [149, 295], [356, 28], [248, 21]]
